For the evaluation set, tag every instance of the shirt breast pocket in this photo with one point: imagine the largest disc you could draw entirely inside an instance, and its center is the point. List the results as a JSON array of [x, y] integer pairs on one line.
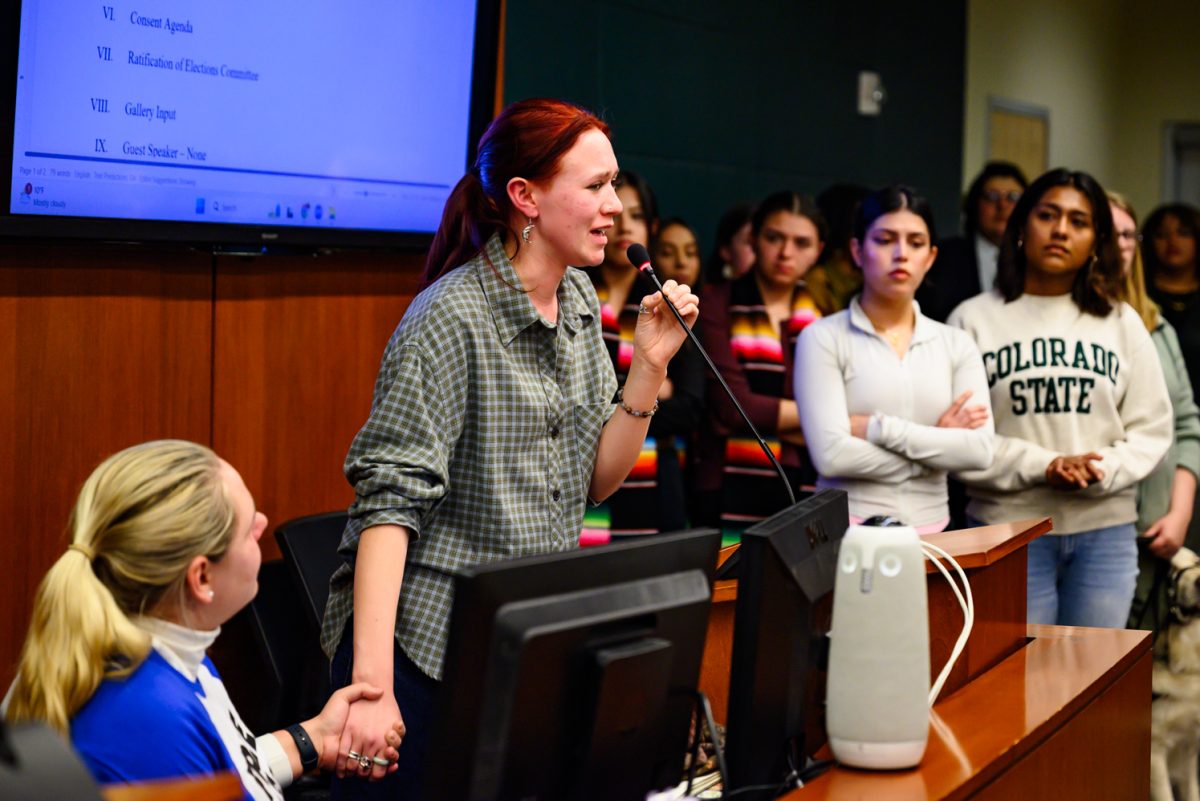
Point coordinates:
[[589, 422]]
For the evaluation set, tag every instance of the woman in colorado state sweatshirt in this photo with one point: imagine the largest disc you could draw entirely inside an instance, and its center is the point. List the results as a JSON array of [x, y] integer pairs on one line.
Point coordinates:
[[1081, 409]]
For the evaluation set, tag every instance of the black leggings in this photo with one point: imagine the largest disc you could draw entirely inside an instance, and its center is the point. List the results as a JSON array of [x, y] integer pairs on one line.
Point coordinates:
[[415, 693]]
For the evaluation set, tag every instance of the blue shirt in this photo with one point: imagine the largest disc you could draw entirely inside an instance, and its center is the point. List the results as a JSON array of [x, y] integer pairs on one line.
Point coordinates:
[[158, 724]]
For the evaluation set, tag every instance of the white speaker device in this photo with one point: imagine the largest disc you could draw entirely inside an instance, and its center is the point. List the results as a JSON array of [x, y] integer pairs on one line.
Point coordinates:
[[877, 694]]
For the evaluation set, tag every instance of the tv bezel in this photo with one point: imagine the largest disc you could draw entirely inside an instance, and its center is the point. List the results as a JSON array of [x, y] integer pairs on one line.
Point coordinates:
[[780, 648], [481, 654], [233, 236]]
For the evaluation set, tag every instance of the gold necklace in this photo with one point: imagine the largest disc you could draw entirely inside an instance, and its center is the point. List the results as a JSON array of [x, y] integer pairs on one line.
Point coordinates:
[[893, 335]]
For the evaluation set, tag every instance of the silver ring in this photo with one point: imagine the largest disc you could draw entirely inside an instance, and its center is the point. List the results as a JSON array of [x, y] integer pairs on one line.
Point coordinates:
[[354, 755], [364, 762], [381, 762], [643, 310]]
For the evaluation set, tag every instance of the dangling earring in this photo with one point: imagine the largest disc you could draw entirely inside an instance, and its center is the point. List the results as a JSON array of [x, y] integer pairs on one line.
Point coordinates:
[[1020, 243], [527, 230]]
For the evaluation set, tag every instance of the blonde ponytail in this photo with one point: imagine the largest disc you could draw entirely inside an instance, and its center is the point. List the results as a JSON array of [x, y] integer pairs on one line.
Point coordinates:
[[142, 516]]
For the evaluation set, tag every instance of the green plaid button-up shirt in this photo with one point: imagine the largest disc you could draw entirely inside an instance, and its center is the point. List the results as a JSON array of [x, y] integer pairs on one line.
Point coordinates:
[[481, 440]]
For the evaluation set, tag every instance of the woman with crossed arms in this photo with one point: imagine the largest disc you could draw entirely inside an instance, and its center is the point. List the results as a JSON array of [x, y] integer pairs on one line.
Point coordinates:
[[889, 399]]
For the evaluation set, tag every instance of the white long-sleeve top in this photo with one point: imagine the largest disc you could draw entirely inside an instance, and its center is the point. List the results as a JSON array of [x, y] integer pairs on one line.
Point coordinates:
[[1064, 382], [843, 367]]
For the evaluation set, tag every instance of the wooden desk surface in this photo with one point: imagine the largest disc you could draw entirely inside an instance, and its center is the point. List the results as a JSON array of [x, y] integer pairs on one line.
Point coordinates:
[[994, 557], [221, 787], [970, 547], [1014, 710]]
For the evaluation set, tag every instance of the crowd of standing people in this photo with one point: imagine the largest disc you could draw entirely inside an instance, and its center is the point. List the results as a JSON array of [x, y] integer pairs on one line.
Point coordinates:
[[1040, 365]]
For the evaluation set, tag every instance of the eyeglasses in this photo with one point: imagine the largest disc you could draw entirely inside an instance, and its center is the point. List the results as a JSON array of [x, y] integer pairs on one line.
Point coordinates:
[[995, 196]]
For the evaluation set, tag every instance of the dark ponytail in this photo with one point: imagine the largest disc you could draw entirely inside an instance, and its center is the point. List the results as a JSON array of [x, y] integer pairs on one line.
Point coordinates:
[[468, 221]]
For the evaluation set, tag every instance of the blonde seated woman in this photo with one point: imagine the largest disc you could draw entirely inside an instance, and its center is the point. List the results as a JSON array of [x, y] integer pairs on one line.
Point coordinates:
[[164, 549]]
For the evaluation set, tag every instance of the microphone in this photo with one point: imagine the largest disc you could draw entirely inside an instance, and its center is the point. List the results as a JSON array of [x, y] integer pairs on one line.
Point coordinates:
[[639, 257]]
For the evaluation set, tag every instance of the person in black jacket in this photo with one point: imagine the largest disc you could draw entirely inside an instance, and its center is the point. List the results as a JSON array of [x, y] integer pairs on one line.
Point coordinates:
[[966, 265]]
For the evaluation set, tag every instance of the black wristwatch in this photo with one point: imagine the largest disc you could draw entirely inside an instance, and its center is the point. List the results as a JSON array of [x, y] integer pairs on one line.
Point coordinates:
[[308, 752]]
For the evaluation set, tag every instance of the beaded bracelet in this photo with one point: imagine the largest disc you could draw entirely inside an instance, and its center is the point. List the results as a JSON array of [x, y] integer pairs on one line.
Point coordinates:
[[632, 411]]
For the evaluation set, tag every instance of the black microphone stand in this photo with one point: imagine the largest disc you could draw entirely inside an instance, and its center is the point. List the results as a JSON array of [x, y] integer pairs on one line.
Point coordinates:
[[641, 260]]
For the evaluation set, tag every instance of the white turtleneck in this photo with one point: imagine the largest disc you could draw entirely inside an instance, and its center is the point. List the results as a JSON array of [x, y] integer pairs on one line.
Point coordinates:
[[184, 649]]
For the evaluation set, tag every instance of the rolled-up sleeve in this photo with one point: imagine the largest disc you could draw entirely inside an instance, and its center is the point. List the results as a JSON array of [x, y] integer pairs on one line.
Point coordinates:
[[399, 461]]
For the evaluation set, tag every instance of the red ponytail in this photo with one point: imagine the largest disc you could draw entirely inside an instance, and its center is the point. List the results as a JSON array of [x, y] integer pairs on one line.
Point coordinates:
[[527, 139]]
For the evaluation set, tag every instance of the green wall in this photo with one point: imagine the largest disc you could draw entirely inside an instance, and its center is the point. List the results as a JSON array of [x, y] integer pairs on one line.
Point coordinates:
[[722, 102]]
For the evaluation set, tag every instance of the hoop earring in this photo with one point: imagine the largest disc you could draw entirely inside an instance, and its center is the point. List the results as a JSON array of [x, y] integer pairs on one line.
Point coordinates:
[[527, 230]]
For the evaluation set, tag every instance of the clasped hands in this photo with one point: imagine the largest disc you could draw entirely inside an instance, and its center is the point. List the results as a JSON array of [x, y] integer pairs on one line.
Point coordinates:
[[330, 732], [1074, 472], [373, 727]]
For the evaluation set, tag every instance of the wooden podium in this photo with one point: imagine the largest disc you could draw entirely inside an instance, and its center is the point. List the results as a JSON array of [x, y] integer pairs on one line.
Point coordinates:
[[1027, 711]]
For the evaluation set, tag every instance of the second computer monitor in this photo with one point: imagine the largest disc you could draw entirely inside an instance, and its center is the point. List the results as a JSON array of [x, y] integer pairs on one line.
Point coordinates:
[[786, 574], [573, 675]]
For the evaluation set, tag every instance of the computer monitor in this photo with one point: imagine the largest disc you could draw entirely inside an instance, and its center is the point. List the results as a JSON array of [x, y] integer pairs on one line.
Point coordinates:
[[573, 675], [36, 762], [780, 653]]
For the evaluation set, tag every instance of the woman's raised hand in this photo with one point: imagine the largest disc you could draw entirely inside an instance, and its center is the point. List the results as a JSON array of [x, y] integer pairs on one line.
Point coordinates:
[[658, 335]]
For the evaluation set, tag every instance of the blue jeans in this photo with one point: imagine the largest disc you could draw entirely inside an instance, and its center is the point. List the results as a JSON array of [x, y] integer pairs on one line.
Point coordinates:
[[1084, 579]]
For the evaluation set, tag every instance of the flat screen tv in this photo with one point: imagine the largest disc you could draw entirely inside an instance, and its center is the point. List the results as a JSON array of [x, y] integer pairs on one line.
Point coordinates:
[[573, 675], [264, 124]]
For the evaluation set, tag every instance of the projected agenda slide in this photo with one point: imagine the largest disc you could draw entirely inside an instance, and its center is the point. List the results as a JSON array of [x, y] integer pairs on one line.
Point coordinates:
[[349, 115]]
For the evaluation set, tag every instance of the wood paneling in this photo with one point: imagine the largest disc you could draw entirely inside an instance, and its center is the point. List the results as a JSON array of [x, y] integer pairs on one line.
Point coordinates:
[[271, 361], [1072, 763], [296, 348], [100, 348], [994, 559]]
